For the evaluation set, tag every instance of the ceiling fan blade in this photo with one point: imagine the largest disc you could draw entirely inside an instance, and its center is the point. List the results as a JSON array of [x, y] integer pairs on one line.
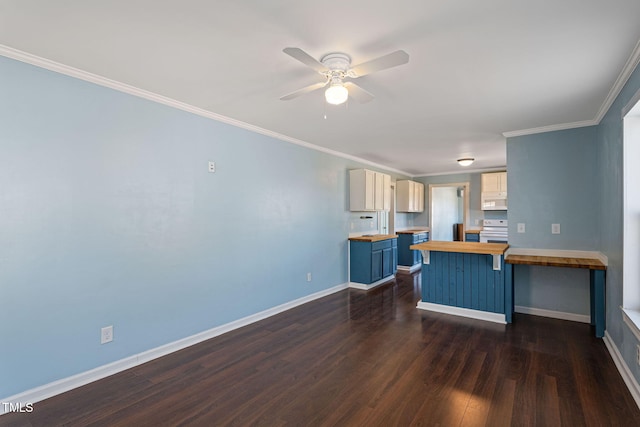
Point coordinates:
[[305, 58], [304, 90], [359, 94], [393, 59]]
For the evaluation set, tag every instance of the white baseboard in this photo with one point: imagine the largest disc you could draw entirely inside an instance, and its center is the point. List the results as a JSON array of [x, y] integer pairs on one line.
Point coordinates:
[[626, 374], [57, 387], [366, 287], [409, 270], [464, 312], [582, 318]]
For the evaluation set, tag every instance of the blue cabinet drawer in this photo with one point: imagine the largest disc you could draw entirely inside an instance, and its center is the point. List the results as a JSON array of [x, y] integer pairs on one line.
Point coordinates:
[[383, 244], [420, 237], [472, 237]]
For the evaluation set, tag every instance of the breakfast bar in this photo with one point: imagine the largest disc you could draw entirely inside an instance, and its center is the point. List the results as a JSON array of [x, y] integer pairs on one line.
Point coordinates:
[[597, 272], [466, 279]]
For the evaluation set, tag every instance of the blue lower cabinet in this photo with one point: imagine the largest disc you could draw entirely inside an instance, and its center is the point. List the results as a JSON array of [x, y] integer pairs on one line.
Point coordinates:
[[407, 257], [472, 237], [373, 261], [467, 281]]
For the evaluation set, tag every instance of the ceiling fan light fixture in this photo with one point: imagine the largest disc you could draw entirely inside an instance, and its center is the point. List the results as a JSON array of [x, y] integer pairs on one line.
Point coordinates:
[[336, 94], [466, 161]]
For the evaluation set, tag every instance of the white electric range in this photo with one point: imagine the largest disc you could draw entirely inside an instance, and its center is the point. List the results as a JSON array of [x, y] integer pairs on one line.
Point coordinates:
[[494, 231]]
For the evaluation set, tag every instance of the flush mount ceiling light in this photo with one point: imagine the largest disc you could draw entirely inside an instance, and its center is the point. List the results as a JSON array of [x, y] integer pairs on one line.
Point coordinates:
[[466, 161], [336, 94]]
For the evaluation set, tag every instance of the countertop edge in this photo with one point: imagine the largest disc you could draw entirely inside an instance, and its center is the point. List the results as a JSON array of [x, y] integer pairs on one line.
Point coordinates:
[[462, 247], [413, 231], [375, 238]]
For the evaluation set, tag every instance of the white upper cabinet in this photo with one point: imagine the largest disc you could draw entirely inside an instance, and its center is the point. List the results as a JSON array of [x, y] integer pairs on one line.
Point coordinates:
[[494, 191], [409, 196], [369, 191], [495, 182]]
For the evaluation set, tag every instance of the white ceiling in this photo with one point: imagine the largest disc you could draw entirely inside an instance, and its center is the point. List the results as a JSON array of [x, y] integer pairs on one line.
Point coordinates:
[[477, 69]]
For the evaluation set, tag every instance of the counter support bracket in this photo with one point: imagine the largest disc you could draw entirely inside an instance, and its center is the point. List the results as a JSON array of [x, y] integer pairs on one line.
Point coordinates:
[[425, 257], [497, 262]]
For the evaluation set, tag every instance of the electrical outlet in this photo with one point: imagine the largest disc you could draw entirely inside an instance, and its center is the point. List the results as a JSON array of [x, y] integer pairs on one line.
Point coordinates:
[[106, 334], [555, 228], [521, 227], [308, 277], [477, 222], [212, 167]]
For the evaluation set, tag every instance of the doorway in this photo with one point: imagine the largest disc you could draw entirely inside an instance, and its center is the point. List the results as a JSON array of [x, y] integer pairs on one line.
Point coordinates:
[[448, 210]]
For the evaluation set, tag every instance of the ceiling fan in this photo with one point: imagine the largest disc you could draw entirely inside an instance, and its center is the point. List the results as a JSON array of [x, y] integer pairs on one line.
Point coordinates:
[[336, 68]]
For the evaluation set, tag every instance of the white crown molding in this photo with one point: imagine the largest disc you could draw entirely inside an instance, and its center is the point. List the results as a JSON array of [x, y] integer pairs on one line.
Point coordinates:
[[551, 128], [63, 385], [57, 67], [623, 77]]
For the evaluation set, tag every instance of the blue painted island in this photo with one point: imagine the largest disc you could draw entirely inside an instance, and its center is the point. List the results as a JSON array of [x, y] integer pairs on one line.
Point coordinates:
[[466, 279]]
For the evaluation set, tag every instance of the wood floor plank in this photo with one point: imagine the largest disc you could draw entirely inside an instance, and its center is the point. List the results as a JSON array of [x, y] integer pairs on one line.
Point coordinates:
[[365, 358]]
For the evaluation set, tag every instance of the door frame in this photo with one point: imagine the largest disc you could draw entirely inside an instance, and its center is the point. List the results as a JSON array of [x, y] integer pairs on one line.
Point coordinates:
[[465, 208]]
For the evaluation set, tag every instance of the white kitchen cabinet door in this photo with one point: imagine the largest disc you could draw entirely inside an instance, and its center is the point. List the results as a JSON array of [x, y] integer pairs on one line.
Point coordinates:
[[367, 190], [419, 195], [379, 191], [495, 182], [387, 193], [409, 196]]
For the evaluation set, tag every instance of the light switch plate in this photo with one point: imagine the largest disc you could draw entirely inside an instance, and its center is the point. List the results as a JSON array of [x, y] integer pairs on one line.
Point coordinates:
[[521, 227], [555, 228]]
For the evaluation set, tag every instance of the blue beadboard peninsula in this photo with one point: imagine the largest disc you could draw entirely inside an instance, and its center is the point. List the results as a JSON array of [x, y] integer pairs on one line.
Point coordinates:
[[466, 279]]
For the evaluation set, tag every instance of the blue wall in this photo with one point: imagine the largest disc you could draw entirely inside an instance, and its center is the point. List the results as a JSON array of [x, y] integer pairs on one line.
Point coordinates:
[[108, 216], [552, 177]]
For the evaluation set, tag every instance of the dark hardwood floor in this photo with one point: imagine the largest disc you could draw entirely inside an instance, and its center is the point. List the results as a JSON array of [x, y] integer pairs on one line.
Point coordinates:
[[359, 358]]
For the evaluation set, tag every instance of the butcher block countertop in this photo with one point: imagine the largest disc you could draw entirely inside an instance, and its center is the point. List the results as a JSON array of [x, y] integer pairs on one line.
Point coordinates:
[[413, 231], [556, 261], [464, 247], [374, 238], [476, 231]]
